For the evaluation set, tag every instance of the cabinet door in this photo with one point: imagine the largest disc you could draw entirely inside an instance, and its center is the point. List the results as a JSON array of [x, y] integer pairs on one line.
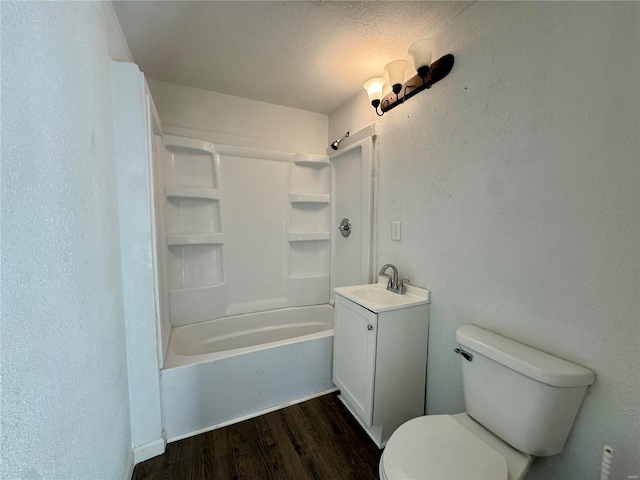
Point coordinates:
[[354, 356]]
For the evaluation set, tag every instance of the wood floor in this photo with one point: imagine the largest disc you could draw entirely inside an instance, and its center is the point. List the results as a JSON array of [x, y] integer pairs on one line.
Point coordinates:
[[317, 439]]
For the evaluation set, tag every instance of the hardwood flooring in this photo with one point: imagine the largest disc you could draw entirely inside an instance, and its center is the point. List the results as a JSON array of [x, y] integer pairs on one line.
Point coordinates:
[[317, 439]]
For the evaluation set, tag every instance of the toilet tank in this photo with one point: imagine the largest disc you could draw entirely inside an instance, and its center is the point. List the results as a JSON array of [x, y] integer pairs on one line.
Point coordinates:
[[528, 398]]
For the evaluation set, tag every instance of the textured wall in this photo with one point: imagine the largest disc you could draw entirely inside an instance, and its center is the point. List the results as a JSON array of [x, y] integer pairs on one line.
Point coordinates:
[[64, 378], [238, 121], [516, 181]]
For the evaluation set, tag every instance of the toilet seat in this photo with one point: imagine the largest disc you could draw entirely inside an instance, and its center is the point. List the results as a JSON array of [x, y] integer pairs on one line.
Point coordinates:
[[438, 447]]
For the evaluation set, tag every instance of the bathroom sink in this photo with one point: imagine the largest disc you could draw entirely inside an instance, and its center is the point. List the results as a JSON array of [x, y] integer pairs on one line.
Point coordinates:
[[377, 295], [377, 298]]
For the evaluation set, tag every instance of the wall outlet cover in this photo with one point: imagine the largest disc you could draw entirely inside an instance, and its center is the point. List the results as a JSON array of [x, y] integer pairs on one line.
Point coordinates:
[[395, 230]]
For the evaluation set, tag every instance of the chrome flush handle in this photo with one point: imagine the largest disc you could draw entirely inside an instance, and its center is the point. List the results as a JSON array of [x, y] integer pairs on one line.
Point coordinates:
[[467, 356]]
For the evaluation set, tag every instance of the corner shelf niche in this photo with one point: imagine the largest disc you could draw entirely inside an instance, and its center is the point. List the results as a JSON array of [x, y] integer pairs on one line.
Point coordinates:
[[196, 239], [320, 276], [192, 192], [308, 198], [310, 160], [194, 236], [308, 229], [308, 236]]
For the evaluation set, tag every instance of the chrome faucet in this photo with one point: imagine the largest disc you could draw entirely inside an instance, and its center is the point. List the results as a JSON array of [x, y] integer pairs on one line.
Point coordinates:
[[394, 284]]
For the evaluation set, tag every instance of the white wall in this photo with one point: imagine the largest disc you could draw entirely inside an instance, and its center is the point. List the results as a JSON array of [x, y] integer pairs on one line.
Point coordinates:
[[516, 181], [64, 374], [215, 117]]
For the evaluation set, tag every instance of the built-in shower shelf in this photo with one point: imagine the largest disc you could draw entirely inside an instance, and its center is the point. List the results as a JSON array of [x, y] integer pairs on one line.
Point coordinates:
[[308, 236], [309, 276], [309, 160], [196, 239], [192, 192], [205, 288], [308, 198]]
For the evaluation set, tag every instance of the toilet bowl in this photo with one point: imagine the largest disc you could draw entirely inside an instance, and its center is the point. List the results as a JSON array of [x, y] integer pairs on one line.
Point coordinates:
[[450, 447], [520, 402]]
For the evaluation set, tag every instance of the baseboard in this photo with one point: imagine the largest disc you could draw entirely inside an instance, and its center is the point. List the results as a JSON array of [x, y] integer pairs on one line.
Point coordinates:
[[250, 416], [131, 465], [148, 450]]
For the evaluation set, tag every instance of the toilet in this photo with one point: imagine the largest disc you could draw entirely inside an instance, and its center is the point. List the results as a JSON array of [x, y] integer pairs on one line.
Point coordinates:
[[521, 403]]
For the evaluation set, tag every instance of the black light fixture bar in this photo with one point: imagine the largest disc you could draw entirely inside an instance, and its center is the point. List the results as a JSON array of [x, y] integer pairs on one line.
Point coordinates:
[[416, 84]]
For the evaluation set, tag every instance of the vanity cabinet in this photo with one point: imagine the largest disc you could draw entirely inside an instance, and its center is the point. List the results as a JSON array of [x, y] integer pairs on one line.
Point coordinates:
[[354, 363], [380, 364]]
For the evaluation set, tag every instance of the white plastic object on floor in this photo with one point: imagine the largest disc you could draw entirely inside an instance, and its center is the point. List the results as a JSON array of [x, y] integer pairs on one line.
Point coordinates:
[[607, 463]]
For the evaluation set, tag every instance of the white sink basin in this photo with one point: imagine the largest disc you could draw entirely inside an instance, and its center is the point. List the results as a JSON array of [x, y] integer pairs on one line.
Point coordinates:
[[377, 295], [377, 298]]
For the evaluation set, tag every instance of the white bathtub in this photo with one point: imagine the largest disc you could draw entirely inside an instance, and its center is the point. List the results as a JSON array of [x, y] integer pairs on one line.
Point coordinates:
[[230, 369]]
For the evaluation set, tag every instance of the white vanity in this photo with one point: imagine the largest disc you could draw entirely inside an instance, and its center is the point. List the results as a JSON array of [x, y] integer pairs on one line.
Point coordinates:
[[380, 355]]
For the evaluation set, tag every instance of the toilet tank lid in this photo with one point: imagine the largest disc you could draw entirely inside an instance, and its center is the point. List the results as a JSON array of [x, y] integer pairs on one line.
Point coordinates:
[[526, 360]]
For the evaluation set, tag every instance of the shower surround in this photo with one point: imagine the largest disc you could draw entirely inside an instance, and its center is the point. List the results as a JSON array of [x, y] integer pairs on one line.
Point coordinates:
[[244, 251], [246, 230]]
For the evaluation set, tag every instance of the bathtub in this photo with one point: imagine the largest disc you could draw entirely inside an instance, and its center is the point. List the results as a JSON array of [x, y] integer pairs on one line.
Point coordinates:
[[227, 370]]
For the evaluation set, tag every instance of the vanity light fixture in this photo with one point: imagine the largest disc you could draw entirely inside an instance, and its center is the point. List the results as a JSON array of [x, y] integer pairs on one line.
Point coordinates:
[[427, 75]]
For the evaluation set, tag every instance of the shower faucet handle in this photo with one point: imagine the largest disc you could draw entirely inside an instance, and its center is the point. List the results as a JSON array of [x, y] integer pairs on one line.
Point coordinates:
[[345, 227]]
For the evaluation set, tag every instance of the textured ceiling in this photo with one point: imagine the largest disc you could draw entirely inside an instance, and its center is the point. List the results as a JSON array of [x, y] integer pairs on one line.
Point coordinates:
[[309, 55]]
